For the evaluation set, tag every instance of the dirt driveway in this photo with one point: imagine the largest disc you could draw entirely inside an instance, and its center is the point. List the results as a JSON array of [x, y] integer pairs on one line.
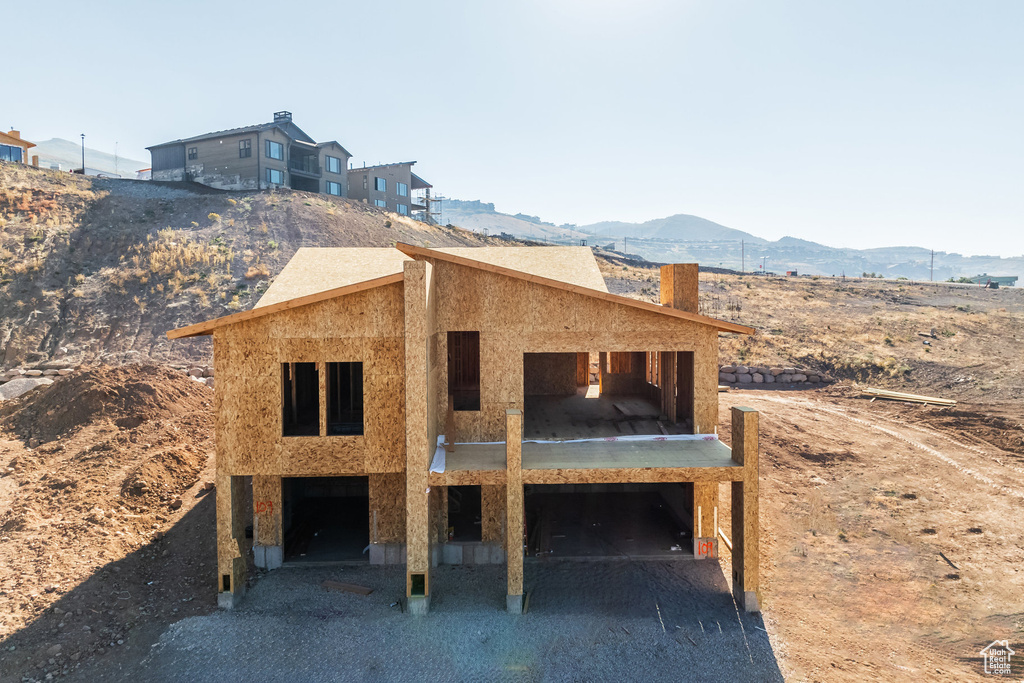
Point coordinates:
[[894, 535]]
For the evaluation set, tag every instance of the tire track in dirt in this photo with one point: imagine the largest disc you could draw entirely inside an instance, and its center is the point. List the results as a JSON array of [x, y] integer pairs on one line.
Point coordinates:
[[963, 469]]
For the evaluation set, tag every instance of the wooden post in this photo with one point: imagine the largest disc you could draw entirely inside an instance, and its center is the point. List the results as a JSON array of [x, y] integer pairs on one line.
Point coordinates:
[[679, 286], [268, 549], [449, 426], [417, 501], [514, 511], [231, 572], [705, 519], [746, 586]]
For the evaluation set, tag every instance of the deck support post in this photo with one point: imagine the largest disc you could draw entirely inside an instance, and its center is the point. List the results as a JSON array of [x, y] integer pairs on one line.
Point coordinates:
[[514, 510], [231, 570], [705, 519], [268, 548], [417, 442], [746, 585]]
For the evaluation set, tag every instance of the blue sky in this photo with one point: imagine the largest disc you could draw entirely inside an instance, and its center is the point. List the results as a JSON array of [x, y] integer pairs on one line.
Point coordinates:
[[857, 124]]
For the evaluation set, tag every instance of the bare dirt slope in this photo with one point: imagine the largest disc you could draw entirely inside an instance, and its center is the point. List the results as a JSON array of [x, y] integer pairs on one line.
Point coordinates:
[[98, 270], [892, 547], [105, 527], [867, 330]]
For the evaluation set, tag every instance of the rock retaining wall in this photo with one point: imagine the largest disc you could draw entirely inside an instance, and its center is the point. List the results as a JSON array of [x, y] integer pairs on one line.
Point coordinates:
[[199, 373], [744, 374]]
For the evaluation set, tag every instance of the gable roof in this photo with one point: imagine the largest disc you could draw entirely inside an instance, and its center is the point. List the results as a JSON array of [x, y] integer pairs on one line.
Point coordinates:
[[15, 142], [286, 127], [207, 327], [462, 260], [319, 269], [317, 274]]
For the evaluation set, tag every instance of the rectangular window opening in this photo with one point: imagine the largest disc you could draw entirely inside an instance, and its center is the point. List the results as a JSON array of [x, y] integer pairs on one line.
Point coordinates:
[[300, 400], [244, 149], [275, 176], [193, 153], [225, 581], [344, 399], [403, 209], [380, 184], [275, 150], [381, 203], [333, 164], [464, 370], [403, 189], [334, 188]]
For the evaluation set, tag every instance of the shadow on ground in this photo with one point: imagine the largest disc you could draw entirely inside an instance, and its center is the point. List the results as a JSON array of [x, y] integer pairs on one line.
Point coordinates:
[[108, 622], [617, 620]]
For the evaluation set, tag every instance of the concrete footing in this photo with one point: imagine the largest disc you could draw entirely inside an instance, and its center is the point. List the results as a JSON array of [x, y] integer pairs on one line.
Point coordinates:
[[514, 604], [268, 556], [229, 600], [419, 605], [747, 600]]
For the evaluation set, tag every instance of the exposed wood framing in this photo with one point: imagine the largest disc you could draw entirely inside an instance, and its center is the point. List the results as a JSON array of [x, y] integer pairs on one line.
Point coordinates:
[[231, 569], [514, 493], [418, 448], [745, 524]]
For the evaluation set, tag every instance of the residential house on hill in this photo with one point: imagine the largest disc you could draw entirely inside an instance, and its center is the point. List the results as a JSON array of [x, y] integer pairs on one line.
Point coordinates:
[[13, 148], [428, 406], [393, 187], [275, 154]]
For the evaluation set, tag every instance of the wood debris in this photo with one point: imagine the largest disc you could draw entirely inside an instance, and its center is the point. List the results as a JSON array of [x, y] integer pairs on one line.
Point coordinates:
[[910, 398]]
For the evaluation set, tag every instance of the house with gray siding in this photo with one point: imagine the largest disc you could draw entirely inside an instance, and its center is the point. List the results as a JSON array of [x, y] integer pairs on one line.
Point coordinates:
[[275, 154], [393, 187]]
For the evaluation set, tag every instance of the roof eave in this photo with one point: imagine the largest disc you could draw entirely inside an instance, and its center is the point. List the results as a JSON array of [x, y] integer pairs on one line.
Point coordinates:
[[207, 327]]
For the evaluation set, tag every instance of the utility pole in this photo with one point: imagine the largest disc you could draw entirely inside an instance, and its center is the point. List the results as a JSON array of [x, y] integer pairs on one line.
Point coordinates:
[[931, 274], [743, 253], [83, 154]]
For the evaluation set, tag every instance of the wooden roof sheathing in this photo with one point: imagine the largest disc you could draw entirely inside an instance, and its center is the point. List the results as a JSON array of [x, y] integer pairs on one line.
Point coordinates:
[[319, 269], [571, 265]]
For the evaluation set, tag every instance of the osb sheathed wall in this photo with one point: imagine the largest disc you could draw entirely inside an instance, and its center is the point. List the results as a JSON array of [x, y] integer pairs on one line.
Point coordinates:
[[493, 502], [387, 508], [549, 374], [365, 327], [516, 317]]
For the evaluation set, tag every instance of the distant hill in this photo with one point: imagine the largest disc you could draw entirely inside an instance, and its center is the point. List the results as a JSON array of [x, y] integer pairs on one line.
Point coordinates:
[[68, 155], [684, 237]]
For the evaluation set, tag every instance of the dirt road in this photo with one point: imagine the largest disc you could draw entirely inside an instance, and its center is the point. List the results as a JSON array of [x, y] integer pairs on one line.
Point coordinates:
[[893, 544]]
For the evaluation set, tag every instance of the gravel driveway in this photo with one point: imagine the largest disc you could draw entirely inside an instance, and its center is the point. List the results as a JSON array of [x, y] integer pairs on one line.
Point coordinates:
[[586, 621]]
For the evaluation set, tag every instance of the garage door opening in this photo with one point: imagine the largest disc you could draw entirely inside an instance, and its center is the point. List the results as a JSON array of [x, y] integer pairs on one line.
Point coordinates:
[[326, 519], [608, 521]]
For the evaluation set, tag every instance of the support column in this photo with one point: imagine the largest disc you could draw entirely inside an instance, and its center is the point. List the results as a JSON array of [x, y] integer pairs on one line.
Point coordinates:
[[746, 585], [705, 519], [417, 459], [268, 548], [231, 571], [514, 510]]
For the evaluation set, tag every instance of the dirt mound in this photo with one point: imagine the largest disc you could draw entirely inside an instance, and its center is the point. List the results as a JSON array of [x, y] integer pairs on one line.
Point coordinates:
[[94, 471], [127, 396]]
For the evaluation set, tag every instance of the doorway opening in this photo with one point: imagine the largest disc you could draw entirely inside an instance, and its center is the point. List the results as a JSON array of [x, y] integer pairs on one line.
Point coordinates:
[[326, 519]]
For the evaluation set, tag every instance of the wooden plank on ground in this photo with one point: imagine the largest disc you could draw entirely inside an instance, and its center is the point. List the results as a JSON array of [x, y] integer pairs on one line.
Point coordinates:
[[911, 398], [346, 587]]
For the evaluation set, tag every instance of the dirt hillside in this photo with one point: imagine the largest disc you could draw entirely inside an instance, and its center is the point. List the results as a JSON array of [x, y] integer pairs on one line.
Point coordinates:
[[104, 522], [98, 270]]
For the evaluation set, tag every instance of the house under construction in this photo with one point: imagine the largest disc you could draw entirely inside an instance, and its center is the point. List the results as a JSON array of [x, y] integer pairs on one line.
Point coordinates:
[[441, 406]]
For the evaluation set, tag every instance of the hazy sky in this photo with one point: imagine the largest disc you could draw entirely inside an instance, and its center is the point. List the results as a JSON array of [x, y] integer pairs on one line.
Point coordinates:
[[852, 123]]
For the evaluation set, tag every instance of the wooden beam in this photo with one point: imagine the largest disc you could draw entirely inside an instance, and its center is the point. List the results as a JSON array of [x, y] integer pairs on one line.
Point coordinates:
[[746, 530], [721, 325], [418, 451], [209, 326], [514, 498], [231, 569]]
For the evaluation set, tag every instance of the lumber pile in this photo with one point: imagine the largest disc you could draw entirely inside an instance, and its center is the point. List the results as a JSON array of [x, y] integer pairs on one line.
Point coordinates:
[[910, 398]]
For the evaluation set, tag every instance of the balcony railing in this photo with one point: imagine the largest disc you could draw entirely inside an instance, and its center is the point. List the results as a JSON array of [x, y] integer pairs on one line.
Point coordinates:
[[307, 165]]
